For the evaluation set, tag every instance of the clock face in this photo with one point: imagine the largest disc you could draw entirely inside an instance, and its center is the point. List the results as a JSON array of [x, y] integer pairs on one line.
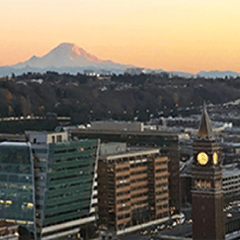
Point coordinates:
[[202, 158], [215, 158]]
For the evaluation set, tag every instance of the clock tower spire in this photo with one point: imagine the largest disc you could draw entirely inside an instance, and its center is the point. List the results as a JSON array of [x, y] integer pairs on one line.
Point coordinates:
[[205, 129], [207, 193]]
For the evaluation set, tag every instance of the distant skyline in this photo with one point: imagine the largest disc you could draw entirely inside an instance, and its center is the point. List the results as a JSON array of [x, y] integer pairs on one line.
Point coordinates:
[[175, 35]]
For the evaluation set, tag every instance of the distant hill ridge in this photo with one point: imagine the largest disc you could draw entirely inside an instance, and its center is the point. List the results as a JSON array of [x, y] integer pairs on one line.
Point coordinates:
[[121, 97]]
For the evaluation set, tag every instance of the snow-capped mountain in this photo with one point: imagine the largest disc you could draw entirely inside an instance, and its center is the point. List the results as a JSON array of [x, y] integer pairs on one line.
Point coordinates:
[[68, 55], [70, 58]]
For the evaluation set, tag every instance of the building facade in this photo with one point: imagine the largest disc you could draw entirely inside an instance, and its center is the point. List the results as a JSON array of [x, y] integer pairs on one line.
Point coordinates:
[[166, 141], [8, 231], [17, 189], [231, 182], [133, 188], [49, 184]]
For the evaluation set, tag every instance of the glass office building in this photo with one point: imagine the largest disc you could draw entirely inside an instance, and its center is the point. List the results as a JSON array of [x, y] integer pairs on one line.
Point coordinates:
[[17, 196], [65, 182], [49, 184]]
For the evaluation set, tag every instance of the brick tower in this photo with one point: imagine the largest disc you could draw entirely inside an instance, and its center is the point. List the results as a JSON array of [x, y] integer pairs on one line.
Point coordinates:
[[207, 193]]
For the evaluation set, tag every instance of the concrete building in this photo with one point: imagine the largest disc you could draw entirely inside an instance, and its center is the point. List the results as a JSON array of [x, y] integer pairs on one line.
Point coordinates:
[[133, 187], [166, 141], [117, 126], [122, 126], [231, 182], [8, 231]]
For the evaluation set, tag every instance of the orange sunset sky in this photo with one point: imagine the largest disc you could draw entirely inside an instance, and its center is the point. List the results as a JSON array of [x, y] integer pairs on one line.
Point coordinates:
[[175, 35]]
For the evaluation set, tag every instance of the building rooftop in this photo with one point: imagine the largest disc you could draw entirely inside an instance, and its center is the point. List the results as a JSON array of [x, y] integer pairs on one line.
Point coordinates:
[[4, 223], [89, 130], [231, 169], [130, 153], [15, 144]]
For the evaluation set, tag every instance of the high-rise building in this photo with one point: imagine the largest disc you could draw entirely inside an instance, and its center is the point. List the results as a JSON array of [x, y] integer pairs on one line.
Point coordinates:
[[133, 187], [207, 191], [48, 184], [17, 188]]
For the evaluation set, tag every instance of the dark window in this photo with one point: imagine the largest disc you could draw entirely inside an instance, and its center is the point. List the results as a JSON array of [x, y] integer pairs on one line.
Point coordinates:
[[59, 138]]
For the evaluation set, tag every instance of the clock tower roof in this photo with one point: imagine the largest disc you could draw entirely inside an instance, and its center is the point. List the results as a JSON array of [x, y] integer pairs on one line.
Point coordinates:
[[205, 129]]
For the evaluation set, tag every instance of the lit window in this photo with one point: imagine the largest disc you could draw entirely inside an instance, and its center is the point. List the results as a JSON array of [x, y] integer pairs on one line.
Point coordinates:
[[80, 149], [30, 205], [22, 222]]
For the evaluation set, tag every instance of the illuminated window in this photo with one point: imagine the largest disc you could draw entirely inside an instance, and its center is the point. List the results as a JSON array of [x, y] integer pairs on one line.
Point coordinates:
[[8, 203], [80, 149], [30, 205]]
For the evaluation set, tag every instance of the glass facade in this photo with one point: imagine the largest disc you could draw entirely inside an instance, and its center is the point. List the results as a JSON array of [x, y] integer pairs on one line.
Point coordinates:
[[45, 185], [17, 198], [69, 180], [64, 175]]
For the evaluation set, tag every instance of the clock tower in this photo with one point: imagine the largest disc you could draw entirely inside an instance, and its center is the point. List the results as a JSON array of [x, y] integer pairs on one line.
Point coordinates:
[[207, 193]]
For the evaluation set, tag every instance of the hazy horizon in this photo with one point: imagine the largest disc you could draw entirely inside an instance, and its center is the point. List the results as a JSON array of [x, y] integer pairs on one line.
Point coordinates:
[[174, 35]]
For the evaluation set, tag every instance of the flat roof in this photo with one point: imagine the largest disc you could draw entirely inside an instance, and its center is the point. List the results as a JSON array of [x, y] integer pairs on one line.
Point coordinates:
[[130, 153], [16, 144], [230, 172], [123, 132], [4, 223], [44, 132]]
